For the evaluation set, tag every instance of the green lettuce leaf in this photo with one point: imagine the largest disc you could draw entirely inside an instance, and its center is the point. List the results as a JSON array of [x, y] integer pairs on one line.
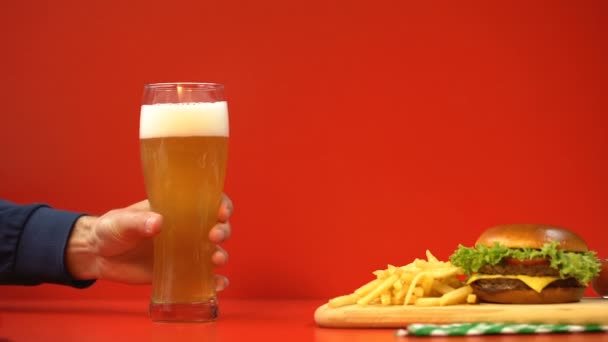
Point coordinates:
[[580, 265]]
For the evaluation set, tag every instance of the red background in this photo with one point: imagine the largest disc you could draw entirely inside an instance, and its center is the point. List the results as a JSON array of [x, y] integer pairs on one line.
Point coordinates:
[[362, 132]]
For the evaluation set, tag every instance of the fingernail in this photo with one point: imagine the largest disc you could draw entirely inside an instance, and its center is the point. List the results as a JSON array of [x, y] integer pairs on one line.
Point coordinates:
[[221, 283], [217, 235], [148, 229]]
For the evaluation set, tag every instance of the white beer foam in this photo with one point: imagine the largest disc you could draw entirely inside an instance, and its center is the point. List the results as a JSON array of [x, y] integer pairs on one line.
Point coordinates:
[[184, 120]]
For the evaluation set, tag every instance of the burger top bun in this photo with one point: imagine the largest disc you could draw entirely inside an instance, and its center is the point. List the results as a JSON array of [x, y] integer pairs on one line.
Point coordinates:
[[532, 236]]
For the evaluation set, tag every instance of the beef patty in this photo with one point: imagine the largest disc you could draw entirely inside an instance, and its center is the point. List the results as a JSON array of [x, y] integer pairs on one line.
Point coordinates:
[[506, 284], [529, 270]]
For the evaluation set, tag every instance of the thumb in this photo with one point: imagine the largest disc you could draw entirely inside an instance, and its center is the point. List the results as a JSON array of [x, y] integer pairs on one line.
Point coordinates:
[[123, 228]]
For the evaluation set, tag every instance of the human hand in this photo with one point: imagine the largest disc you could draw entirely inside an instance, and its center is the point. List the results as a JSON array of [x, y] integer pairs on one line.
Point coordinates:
[[117, 246]]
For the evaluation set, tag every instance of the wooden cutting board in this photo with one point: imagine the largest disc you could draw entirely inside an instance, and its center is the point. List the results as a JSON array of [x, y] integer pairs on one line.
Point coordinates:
[[587, 311]]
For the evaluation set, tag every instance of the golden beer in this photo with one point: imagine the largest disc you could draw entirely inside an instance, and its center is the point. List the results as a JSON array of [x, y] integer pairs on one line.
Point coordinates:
[[184, 151], [184, 178]]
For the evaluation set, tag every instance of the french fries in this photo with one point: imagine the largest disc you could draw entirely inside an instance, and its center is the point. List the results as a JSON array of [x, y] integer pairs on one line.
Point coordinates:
[[428, 282]]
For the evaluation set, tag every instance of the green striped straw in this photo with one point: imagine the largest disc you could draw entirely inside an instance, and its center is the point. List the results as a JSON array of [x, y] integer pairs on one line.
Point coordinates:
[[461, 329]]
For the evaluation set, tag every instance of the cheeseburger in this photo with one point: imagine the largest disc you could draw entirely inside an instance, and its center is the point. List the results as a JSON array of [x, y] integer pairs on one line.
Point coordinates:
[[528, 264]]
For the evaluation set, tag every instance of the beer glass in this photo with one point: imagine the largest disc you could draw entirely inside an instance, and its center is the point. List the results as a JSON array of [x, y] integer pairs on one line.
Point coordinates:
[[184, 149]]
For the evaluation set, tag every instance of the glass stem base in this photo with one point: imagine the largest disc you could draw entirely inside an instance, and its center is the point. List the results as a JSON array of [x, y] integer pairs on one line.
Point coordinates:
[[184, 312]]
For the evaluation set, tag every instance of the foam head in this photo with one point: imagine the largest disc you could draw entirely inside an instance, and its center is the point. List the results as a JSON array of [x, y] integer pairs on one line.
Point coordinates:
[[184, 120]]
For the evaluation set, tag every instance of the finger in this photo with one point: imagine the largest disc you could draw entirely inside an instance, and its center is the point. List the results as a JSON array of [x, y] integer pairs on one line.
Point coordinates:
[[220, 232], [220, 257], [128, 225], [221, 282], [141, 205], [226, 209]]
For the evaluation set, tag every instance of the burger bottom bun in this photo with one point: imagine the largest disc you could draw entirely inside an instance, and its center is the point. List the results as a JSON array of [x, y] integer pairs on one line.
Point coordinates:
[[548, 295]]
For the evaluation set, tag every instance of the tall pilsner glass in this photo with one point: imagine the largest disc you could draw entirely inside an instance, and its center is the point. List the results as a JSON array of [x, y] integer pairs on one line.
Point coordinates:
[[184, 149]]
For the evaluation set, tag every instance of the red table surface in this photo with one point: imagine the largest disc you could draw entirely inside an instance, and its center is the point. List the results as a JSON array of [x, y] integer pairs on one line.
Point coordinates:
[[268, 320]]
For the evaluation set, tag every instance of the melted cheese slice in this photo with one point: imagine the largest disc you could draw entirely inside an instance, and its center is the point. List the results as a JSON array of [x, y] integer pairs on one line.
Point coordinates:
[[535, 283]]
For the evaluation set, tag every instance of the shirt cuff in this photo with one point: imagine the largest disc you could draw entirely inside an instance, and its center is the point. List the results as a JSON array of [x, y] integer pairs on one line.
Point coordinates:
[[41, 251]]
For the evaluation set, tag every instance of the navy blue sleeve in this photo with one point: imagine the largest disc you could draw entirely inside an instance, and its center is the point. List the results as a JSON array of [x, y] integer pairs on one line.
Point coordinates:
[[33, 239]]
